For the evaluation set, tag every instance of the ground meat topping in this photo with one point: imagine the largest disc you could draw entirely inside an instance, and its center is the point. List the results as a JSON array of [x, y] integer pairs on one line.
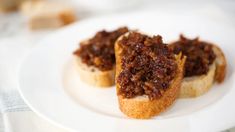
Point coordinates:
[[199, 55], [148, 66], [99, 50]]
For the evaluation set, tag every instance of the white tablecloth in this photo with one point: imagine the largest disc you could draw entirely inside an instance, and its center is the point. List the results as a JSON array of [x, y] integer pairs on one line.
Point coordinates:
[[16, 42]]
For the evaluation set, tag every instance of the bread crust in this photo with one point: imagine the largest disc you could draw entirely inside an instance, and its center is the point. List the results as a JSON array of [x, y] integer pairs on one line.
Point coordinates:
[[141, 107], [221, 64], [199, 85]]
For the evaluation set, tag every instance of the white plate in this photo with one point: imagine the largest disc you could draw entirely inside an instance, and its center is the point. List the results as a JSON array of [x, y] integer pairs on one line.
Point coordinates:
[[51, 87]]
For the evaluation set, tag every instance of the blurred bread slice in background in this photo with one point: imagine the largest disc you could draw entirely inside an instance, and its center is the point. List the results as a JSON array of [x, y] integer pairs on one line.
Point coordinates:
[[47, 14], [10, 5]]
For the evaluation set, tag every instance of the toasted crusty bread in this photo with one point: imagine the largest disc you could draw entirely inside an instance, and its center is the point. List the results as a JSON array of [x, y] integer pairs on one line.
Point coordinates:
[[141, 107], [198, 85], [92, 75]]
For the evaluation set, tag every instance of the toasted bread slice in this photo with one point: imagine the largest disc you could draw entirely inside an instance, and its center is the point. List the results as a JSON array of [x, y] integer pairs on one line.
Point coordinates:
[[199, 85], [96, 59], [93, 76], [142, 107], [10, 5], [47, 15]]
